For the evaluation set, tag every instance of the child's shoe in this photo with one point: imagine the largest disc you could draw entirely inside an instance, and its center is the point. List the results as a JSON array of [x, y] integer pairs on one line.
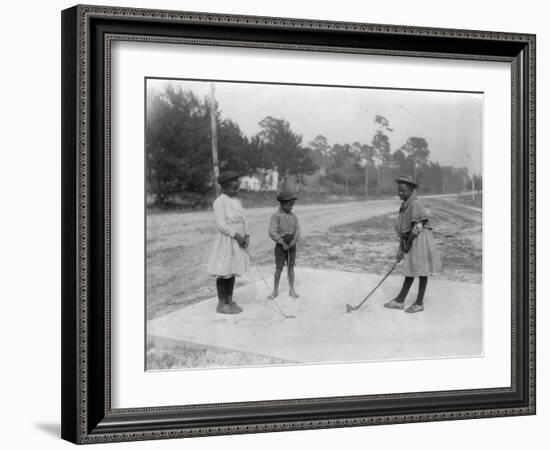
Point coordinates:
[[234, 306], [394, 304], [415, 308], [224, 307]]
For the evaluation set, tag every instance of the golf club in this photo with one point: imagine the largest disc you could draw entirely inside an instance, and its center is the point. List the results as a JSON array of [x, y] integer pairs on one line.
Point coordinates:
[[350, 308]]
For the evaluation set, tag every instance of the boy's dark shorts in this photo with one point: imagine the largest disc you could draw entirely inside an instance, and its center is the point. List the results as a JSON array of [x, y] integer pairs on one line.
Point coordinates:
[[282, 257]]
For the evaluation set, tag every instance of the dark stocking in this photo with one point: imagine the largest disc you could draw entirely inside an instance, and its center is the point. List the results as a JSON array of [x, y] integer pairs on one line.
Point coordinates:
[[230, 286], [221, 288], [421, 290], [407, 283]]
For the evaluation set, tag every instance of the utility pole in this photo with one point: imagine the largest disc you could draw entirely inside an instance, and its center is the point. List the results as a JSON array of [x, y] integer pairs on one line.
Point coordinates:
[[366, 180], [216, 167], [369, 151], [364, 151]]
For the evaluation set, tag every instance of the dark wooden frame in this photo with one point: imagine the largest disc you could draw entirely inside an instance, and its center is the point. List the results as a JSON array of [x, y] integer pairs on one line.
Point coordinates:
[[87, 416]]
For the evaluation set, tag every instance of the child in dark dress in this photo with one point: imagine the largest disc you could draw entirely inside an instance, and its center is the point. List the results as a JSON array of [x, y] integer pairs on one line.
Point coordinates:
[[284, 229], [416, 245]]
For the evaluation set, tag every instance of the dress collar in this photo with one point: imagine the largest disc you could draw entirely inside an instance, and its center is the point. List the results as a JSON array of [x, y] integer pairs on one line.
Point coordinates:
[[228, 196], [407, 202]]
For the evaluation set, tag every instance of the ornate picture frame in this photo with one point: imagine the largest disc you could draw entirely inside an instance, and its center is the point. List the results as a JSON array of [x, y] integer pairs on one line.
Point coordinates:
[[88, 415]]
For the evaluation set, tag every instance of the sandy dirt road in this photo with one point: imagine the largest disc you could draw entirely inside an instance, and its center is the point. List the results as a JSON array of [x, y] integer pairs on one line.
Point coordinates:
[[447, 205], [168, 231]]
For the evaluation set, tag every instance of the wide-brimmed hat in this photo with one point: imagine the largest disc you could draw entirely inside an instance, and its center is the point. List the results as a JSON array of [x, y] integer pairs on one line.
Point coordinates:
[[407, 179], [224, 177], [286, 195]]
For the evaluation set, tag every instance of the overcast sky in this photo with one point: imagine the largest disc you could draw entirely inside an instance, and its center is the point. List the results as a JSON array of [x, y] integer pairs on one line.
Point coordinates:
[[450, 122]]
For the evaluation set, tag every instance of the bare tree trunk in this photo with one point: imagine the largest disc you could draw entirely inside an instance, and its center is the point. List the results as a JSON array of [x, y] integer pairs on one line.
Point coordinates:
[[366, 182], [282, 181]]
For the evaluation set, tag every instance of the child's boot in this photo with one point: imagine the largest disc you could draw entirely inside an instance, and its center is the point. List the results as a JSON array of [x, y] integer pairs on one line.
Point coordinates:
[[234, 306], [224, 304], [224, 307], [235, 309], [220, 288]]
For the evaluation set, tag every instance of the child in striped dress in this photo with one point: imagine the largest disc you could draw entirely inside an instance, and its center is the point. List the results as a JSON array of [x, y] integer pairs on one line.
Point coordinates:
[[416, 245], [228, 257]]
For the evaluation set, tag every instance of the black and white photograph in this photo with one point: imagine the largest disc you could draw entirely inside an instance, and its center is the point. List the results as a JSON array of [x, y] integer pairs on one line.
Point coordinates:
[[311, 224], [275, 225]]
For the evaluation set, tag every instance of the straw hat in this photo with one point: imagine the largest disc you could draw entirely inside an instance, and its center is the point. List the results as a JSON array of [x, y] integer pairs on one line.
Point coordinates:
[[286, 195], [407, 179], [226, 176]]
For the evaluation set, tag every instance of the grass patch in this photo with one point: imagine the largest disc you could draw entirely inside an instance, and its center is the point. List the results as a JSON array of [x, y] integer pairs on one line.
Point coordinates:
[[165, 354]]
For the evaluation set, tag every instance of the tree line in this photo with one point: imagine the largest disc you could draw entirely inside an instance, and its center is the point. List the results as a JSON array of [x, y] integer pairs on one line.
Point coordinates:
[[179, 154]]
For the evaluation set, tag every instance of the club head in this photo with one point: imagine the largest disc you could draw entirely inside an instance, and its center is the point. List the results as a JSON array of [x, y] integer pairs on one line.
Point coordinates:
[[349, 308]]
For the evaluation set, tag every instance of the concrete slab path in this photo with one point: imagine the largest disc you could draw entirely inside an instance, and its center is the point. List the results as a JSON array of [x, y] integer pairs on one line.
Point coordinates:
[[450, 325]]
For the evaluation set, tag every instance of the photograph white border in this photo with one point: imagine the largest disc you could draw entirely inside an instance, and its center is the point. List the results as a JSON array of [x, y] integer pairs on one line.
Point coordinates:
[[133, 387]]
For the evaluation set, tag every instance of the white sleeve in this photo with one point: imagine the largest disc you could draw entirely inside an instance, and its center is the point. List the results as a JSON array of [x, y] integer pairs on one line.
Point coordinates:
[[246, 228], [221, 225], [417, 228]]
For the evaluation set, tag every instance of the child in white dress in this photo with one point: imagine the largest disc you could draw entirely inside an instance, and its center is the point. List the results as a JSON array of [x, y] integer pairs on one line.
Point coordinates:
[[228, 257]]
